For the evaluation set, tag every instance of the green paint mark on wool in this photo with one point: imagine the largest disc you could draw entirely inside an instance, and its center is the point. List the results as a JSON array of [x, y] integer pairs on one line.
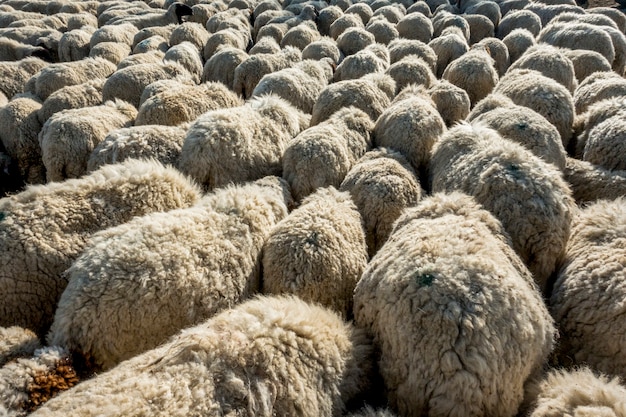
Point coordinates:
[[522, 126], [424, 280]]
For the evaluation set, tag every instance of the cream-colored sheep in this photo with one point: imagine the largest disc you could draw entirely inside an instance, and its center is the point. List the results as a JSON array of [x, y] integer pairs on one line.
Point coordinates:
[[191, 32], [318, 252], [301, 35], [16, 74], [205, 258], [547, 12], [12, 50], [586, 62], [343, 23], [448, 47], [401, 48], [184, 103], [597, 87], [56, 76], [517, 42], [162, 33], [265, 45], [373, 58], [527, 194], [269, 356], [327, 17], [445, 20], [583, 300], [221, 66], [68, 137], [114, 33], [248, 74], [114, 52], [226, 37], [410, 125], [475, 72], [361, 9], [590, 183], [16, 342], [72, 97], [415, 26], [326, 47], [453, 311], [323, 154], [452, 102], [411, 70], [499, 52], [162, 143], [551, 62], [519, 19], [242, 143], [62, 216], [353, 40], [480, 27], [74, 44], [154, 17], [187, 55], [382, 184]]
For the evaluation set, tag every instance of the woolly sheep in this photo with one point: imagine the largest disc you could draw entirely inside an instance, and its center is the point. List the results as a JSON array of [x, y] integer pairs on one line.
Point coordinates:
[[154, 57], [597, 87], [445, 299], [265, 5], [353, 40], [229, 19], [326, 47], [161, 31], [128, 83], [114, 33], [371, 59], [480, 27], [363, 10], [419, 6], [19, 127], [382, 184], [586, 62], [318, 252], [590, 322], [551, 62], [221, 66], [300, 36], [499, 52], [474, 72], [16, 74], [527, 194], [401, 48], [191, 32], [11, 50], [300, 85], [200, 13], [226, 37], [27, 383], [410, 125], [265, 45], [68, 137], [612, 13], [552, 100], [594, 19], [383, 31], [206, 257], [56, 76], [392, 12], [174, 14], [323, 154], [411, 70], [114, 52], [444, 20], [326, 18], [619, 43], [248, 74], [519, 19], [578, 393], [162, 143], [508, 6], [371, 93], [547, 12], [415, 26], [16, 342], [245, 361], [448, 47], [118, 10], [528, 128], [452, 102], [31, 269], [153, 43], [491, 102], [262, 20], [219, 148], [72, 97], [517, 42], [343, 23], [187, 55], [488, 9], [590, 183], [74, 44]]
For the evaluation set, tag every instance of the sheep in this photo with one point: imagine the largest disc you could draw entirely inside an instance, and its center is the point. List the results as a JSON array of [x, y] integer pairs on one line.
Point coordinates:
[[363, 10], [519, 19], [488, 9], [229, 19], [508, 6], [265, 45], [27, 383], [371, 59], [574, 35], [163, 32], [393, 13], [371, 93], [248, 74], [72, 97], [383, 31], [121, 10], [128, 83], [400, 48], [174, 14], [448, 47], [444, 20], [445, 299], [113, 52], [597, 87], [326, 18], [31, 269], [411, 70], [226, 37], [586, 62], [527, 194], [56, 76], [153, 43], [593, 19], [300, 36], [300, 85], [548, 12], [452, 102], [382, 184], [475, 72], [68, 137], [16, 74], [491, 102], [220, 148], [499, 52], [187, 55], [410, 125], [326, 47], [415, 26], [527, 127], [517, 42], [590, 183], [74, 44], [162, 143], [267, 356], [480, 27], [322, 155], [19, 127], [343, 23], [590, 323], [191, 32], [16, 342], [353, 40], [12, 50], [419, 7], [201, 12], [551, 62], [318, 252], [154, 57], [552, 100], [612, 13], [221, 66], [206, 256], [578, 392], [265, 5], [124, 34]]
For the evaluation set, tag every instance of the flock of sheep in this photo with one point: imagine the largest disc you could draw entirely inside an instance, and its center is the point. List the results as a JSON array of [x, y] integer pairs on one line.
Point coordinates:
[[368, 208]]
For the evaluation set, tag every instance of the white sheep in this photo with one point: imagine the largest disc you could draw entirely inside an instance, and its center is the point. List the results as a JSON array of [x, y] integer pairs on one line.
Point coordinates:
[[301, 35], [371, 93], [597, 87], [162, 143], [480, 27], [448, 47], [267, 356], [174, 14], [68, 137], [343, 23], [355, 39], [453, 312], [586, 62], [589, 280], [612, 13], [114, 52], [300, 85], [318, 252], [382, 184], [114, 33], [401, 48], [475, 72], [181, 103], [361, 9], [226, 37], [31, 269], [242, 143], [74, 44], [590, 183], [163, 32], [221, 66], [415, 26], [265, 45], [518, 42], [384, 32], [12, 50], [410, 125], [519, 19], [248, 74], [411, 70], [326, 18], [206, 257], [551, 62], [323, 154], [547, 12], [371, 59], [72, 97], [326, 47], [16, 74], [153, 43], [452, 102], [191, 32]]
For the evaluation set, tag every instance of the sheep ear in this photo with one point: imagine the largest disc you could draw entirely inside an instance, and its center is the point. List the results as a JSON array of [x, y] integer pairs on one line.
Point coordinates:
[[182, 10]]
